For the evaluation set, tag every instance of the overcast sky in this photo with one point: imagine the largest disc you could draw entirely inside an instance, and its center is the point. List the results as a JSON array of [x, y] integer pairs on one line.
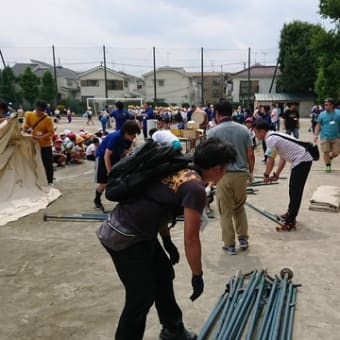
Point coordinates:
[[130, 28]]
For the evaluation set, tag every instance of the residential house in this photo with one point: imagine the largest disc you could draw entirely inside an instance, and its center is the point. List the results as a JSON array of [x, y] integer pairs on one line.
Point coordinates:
[[261, 81], [173, 86], [215, 85], [67, 80], [119, 84]]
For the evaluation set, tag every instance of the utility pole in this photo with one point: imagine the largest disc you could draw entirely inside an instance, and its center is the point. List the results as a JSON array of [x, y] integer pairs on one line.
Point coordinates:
[[274, 75], [3, 59], [55, 76], [222, 83], [249, 88], [202, 79], [154, 78], [105, 74]]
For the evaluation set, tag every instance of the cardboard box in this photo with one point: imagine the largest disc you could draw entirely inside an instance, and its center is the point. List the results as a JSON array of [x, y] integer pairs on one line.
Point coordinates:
[[188, 133], [177, 132]]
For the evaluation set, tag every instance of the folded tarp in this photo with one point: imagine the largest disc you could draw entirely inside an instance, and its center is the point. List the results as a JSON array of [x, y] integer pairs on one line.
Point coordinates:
[[326, 198]]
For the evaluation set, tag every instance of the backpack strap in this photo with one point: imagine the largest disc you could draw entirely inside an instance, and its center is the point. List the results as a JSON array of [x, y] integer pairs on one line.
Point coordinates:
[[290, 139], [37, 123]]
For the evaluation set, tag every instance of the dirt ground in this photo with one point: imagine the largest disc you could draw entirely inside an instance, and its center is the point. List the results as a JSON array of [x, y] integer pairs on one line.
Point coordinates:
[[58, 283]]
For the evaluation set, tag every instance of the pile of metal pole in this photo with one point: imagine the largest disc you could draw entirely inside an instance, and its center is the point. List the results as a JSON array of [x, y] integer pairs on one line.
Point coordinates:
[[254, 306]]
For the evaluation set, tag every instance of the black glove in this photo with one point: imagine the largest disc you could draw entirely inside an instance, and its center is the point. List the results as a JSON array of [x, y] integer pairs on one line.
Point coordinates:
[[171, 250], [197, 285]]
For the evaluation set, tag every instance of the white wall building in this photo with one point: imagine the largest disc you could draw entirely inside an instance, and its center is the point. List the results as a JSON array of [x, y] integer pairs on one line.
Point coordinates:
[[119, 84], [174, 86], [260, 81]]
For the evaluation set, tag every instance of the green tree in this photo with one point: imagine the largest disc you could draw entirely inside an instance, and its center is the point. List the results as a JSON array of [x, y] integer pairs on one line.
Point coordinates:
[[328, 44], [28, 82], [297, 58], [330, 9], [7, 86], [47, 90]]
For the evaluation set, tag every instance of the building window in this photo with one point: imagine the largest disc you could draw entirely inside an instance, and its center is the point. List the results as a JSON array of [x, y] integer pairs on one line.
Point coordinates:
[[126, 83], [115, 85], [69, 82], [216, 82], [139, 87], [89, 82], [254, 87], [161, 82]]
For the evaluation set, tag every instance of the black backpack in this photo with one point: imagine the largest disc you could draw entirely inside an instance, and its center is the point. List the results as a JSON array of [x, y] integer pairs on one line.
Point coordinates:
[[131, 176]]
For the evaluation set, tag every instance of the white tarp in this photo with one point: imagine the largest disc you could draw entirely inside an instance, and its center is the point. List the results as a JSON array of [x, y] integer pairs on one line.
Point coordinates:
[[23, 185], [326, 198]]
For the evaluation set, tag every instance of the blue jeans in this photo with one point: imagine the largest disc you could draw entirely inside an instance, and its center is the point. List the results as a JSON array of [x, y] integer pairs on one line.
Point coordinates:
[[294, 131]]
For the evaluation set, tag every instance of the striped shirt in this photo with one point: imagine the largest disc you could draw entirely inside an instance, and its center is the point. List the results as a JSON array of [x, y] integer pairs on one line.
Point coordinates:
[[287, 150]]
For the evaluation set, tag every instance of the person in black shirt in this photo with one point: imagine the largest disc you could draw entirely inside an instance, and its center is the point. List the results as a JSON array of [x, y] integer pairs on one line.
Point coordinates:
[[143, 265], [291, 120]]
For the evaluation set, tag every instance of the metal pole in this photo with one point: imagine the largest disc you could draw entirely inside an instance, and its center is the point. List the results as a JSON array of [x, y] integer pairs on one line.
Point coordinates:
[[55, 76], [202, 78], [274, 75], [105, 73], [249, 88], [154, 77], [3, 59]]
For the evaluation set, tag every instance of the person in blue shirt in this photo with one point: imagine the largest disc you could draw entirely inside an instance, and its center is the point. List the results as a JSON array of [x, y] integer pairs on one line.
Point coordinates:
[[328, 125], [145, 116], [113, 147], [120, 115]]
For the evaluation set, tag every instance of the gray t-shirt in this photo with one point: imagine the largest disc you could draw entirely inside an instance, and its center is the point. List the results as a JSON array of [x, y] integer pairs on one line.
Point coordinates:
[[239, 136]]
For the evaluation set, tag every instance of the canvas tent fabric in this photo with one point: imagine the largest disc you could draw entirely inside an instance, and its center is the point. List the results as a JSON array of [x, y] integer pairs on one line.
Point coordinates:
[[326, 198], [23, 183]]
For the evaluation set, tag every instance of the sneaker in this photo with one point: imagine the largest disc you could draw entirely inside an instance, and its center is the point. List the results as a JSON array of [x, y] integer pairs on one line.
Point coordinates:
[[243, 243], [98, 204], [167, 334], [287, 227], [230, 250], [328, 168]]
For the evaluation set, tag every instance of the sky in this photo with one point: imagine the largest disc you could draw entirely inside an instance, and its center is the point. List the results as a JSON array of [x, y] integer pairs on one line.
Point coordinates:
[[130, 28]]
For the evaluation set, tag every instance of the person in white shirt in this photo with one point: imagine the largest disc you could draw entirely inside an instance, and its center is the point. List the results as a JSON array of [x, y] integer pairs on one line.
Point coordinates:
[[301, 163], [165, 137]]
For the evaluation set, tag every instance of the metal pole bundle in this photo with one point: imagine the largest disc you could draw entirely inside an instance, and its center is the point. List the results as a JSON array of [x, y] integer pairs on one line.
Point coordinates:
[[254, 306]]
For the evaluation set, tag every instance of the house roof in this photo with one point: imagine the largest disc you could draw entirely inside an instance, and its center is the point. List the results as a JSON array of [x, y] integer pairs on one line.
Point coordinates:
[[179, 70], [257, 71], [101, 67], [283, 97], [40, 67], [209, 74]]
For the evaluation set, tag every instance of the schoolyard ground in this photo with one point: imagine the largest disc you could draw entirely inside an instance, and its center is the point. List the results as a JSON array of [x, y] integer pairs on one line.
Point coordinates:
[[58, 283]]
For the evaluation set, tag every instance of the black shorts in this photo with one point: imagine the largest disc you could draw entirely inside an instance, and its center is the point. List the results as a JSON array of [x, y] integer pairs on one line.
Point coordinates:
[[101, 172]]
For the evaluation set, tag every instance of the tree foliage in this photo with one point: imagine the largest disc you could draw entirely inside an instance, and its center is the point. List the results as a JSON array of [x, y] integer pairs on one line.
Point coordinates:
[[297, 58], [7, 85], [29, 85], [47, 90], [330, 9]]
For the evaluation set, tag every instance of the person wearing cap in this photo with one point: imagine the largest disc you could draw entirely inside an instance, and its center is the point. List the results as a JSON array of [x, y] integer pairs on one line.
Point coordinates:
[[231, 191], [58, 155], [145, 267], [40, 125], [328, 126], [120, 115]]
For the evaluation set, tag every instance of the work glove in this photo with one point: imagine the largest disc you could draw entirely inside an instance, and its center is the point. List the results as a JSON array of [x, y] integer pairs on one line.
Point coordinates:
[[171, 250], [197, 285]]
